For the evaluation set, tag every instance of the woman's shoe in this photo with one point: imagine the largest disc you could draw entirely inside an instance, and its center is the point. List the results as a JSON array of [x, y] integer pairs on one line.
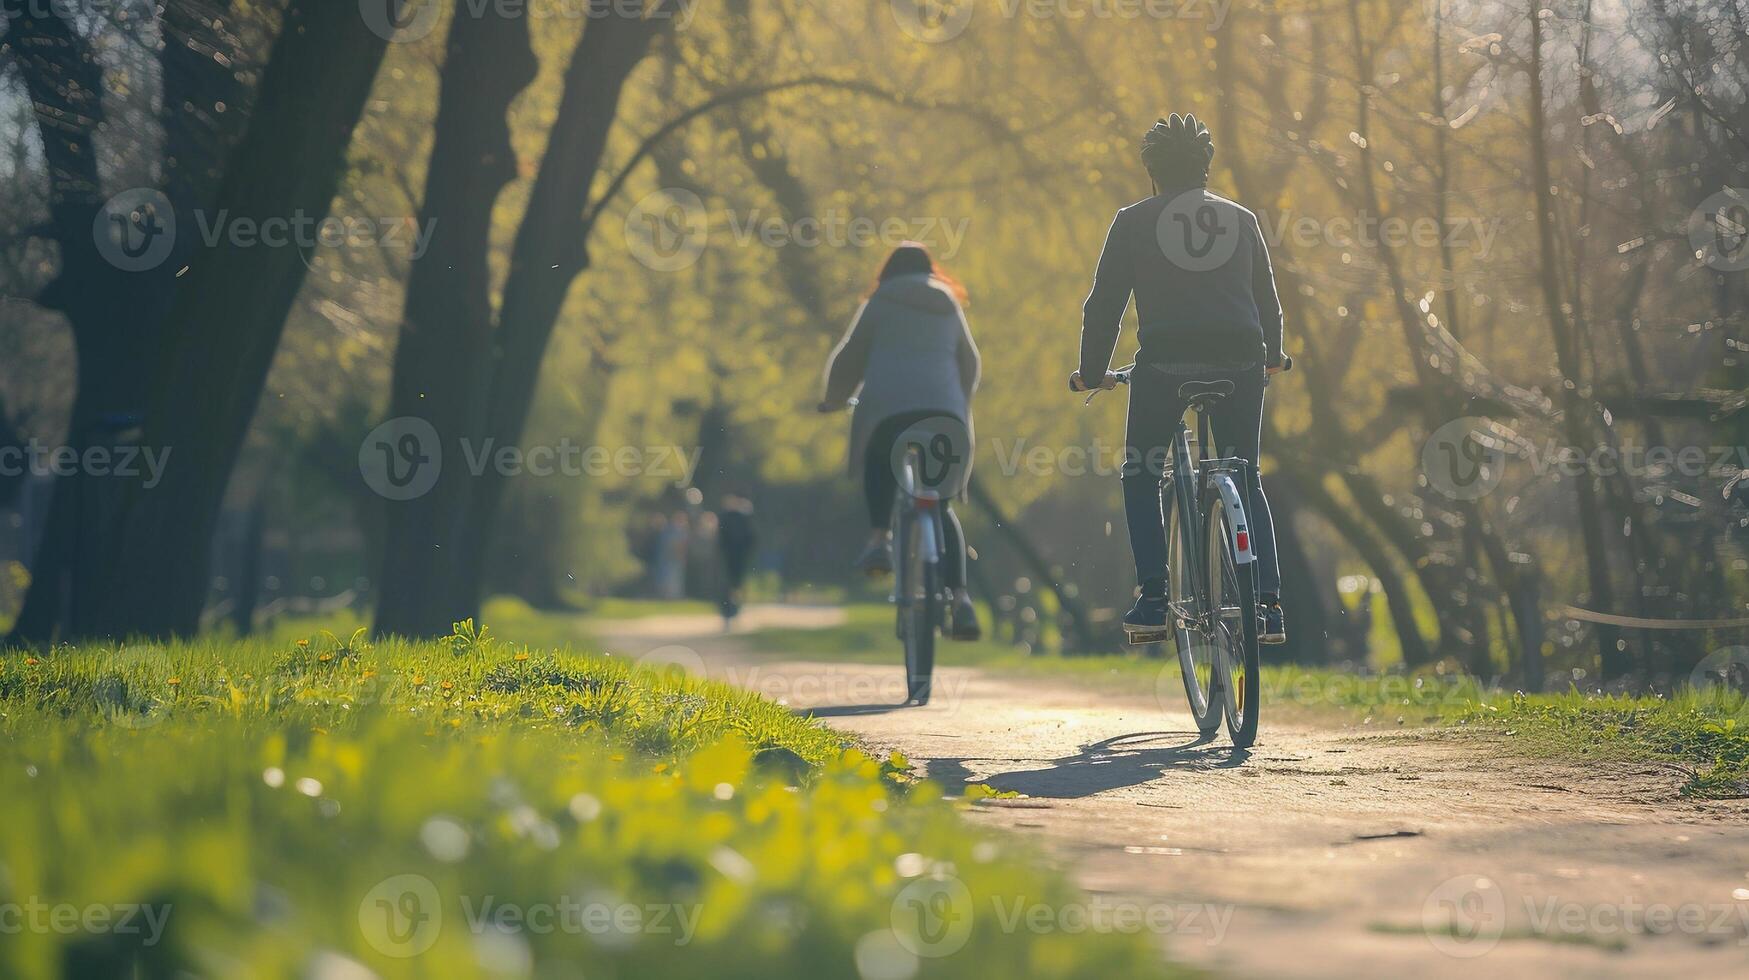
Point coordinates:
[[876, 559], [965, 620]]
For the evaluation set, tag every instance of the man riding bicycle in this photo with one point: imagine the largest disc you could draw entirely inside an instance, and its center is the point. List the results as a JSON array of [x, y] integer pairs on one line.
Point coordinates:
[[1207, 305]]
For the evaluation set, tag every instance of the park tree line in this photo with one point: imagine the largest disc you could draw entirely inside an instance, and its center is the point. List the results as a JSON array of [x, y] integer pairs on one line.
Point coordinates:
[[1565, 280]]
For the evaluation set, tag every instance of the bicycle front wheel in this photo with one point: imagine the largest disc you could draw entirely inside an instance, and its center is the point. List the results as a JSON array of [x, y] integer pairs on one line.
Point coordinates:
[[1233, 624], [1196, 655]]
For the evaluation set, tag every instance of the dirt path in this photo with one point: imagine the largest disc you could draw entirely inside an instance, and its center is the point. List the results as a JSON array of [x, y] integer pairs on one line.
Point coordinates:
[[1331, 852]]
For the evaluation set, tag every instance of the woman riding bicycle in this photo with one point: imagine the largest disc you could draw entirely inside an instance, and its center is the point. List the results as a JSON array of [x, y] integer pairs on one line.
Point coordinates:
[[910, 351], [1206, 301]]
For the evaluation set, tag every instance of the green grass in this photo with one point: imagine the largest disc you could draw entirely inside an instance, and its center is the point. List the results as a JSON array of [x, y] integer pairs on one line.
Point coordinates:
[[1706, 732], [301, 809], [610, 607], [508, 615]]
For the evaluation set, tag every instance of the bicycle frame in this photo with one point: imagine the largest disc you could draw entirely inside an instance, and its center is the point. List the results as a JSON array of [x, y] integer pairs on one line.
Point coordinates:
[[1223, 476]]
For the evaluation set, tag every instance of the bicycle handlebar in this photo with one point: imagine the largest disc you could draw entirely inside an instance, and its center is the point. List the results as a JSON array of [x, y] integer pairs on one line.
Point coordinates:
[[1122, 376]]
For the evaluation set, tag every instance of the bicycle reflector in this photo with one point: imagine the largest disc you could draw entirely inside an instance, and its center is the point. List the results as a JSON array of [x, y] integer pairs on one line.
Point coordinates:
[[1244, 541]]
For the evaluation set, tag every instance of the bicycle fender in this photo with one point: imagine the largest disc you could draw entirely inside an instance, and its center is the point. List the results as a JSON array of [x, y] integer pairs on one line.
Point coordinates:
[[929, 541], [1237, 524]]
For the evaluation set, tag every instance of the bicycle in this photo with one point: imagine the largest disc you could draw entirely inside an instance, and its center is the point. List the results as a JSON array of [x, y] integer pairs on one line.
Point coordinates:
[[1211, 572], [919, 596]]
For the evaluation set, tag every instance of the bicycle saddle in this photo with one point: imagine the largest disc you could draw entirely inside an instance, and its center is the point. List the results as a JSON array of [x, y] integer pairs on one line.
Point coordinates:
[[1201, 394]]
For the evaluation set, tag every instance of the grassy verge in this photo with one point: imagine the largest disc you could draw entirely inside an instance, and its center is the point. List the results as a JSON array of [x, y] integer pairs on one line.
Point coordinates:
[[610, 607], [476, 808], [1708, 733]]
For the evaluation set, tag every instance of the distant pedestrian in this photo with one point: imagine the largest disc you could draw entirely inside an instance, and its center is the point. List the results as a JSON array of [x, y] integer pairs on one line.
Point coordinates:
[[736, 539], [670, 572]]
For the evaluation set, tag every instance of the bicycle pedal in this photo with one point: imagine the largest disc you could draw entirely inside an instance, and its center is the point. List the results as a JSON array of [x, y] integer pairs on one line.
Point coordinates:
[[1138, 635]]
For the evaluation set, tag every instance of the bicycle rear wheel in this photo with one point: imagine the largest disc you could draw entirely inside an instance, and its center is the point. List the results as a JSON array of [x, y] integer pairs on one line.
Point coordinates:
[[1196, 655], [1233, 625]]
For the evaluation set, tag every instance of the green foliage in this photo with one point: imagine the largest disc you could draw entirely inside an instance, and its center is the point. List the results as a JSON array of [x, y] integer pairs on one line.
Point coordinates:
[[469, 640], [284, 800], [1699, 730]]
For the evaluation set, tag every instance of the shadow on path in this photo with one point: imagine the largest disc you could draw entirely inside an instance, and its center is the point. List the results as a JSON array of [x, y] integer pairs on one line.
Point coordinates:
[[1126, 760], [848, 710]]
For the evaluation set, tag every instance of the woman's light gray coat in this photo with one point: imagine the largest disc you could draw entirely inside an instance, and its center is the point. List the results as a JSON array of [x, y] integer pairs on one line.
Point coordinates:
[[908, 349]]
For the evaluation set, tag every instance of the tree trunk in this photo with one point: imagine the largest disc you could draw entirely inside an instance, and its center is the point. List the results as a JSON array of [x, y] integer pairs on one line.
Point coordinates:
[[247, 587], [549, 254], [1574, 393], [1303, 605], [1357, 536], [229, 310], [112, 334], [447, 321]]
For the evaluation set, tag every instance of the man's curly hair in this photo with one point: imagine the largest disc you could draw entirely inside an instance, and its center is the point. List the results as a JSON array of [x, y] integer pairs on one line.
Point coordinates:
[[1178, 151]]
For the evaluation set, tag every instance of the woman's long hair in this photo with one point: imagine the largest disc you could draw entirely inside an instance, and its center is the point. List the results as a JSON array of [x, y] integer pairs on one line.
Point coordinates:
[[912, 259]]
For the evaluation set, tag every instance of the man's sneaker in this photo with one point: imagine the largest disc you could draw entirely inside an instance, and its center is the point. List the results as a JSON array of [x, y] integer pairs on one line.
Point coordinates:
[[965, 620], [1272, 628], [1148, 621], [876, 559]]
